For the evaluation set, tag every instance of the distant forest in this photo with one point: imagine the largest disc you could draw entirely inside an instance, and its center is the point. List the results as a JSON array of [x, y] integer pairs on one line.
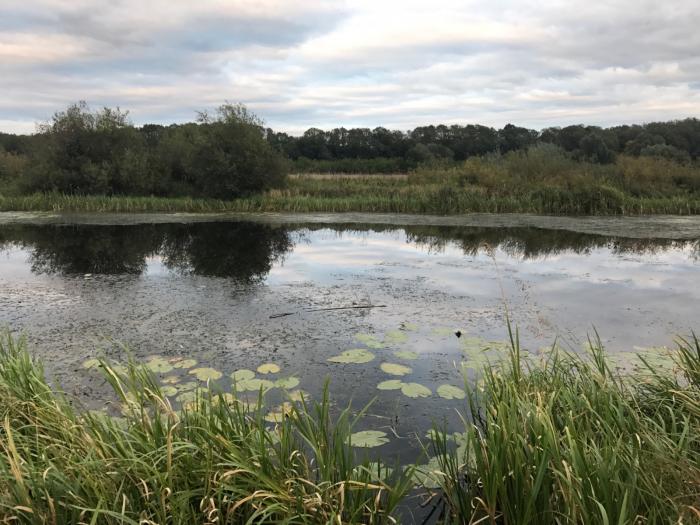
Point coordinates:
[[231, 153]]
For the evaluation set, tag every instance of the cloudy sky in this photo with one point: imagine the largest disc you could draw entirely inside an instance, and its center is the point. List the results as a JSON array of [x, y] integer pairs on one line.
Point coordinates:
[[354, 63]]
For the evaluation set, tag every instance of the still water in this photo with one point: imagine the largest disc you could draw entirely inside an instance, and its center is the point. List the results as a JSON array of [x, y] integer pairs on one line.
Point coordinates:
[[234, 293]]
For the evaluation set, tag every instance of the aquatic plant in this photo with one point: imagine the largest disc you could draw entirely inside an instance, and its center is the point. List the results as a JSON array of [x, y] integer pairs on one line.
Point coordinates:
[[213, 462]]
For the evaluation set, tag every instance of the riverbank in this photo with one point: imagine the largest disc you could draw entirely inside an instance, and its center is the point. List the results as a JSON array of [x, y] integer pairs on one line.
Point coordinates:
[[565, 437], [372, 195]]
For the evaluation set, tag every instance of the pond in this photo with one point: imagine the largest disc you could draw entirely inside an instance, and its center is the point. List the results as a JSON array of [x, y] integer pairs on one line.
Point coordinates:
[[372, 303]]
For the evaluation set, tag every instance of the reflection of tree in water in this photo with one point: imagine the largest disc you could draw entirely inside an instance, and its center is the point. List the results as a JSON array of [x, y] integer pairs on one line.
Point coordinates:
[[246, 251], [241, 251], [523, 242]]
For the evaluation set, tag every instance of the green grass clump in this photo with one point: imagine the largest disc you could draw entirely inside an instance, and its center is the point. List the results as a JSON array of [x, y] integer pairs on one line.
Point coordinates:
[[213, 462], [569, 440]]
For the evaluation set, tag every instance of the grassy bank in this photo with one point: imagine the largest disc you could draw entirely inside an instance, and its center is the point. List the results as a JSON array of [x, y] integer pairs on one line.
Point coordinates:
[[538, 181], [563, 440]]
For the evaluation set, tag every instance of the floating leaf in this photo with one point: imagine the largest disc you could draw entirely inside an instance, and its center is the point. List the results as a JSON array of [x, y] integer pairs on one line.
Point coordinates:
[[410, 327], [298, 395], [170, 380], [159, 365], [242, 375], [192, 395], [395, 337], [169, 390], [443, 331], [268, 368], [356, 355], [450, 392], [185, 363], [395, 370], [188, 385], [277, 415], [206, 374], [91, 363], [391, 384], [415, 390], [429, 475], [406, 354], [369, 341], [255, 384], [368, 438], [287, 383]]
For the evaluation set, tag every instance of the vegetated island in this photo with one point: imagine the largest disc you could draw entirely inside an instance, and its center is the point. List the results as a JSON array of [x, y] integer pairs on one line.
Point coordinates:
[[84, 160]]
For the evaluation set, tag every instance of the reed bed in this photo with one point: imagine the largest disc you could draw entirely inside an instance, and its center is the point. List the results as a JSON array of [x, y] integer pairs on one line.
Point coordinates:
[[570, 440], [214, 462]]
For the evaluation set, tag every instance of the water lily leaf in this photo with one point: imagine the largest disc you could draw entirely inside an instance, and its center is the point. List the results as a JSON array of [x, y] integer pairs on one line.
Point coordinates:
[[406, 354], [415, 390], [410, 327], [159, 365], [268, 368], [395, 370], [391, 384], [443, 331], [188, 385], [429, 475], [451, 392], [298, 395], [169, 390], [242, 375], [395, 337], [91, 363], [368, 438], [369, 341], [185, 363], [206, 374], [170, 380], [192, 395], [287, 383], [278, 414], [356, 355], [253, 385]]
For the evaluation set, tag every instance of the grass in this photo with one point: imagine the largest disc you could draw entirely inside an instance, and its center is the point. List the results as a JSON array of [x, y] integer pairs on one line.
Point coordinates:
[[214, 462], [570, 440], [562, 439], [538, 181]]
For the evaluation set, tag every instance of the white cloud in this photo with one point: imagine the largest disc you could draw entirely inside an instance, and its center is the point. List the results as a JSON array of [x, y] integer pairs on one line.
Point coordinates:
[[355, 63]]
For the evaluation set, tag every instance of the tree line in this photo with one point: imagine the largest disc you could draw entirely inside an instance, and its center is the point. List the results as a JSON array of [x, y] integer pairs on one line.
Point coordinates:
[[230, 152]]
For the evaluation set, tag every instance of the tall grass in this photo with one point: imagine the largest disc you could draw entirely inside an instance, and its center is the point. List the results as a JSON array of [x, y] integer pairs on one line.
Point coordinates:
[[214, 462], [570, 440]]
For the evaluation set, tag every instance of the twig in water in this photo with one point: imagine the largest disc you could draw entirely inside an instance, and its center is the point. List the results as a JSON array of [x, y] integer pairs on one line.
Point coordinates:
[[364, 306]]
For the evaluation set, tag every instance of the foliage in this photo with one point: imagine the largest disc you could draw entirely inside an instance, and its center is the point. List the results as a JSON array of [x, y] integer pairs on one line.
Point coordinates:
[[212, 462], [570, 440]]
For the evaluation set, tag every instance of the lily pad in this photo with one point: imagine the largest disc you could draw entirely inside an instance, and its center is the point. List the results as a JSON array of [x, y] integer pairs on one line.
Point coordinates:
[[242, 375], [415, 390], [91, 363], [395, 337], [391, 384], [159, 365], [411, 327], [268, 368], [368, 438], [287, 383], [395, 370], [451, 392], [169, 390], [186, 386], [378, 471], [206, 374], [170, 380], [429, 475], [192, 395], [356, 356], [369, 341], [406, 354], [253, 385], [278, 414], [298, 395], [185, 363]]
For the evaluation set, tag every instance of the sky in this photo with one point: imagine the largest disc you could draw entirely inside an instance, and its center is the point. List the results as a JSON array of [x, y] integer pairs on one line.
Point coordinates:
[[355, 63]]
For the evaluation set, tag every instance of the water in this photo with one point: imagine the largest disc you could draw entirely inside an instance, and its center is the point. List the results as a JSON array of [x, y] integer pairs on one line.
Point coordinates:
[[242, 291]]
